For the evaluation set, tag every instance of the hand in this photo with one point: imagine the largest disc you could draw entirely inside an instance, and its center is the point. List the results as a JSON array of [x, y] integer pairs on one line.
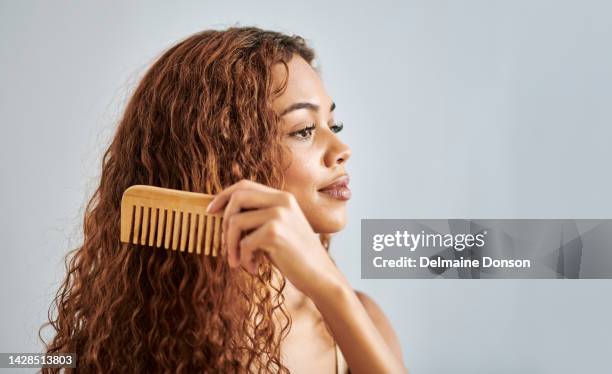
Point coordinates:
[[275, 225]]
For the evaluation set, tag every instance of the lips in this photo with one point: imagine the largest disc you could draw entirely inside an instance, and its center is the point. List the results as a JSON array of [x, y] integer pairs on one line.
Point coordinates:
[[338, 189]]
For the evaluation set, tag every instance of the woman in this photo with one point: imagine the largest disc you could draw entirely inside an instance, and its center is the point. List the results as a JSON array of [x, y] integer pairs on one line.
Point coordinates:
[[240, 113]]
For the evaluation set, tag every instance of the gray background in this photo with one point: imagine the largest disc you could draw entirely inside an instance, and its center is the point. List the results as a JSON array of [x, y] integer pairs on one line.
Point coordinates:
[[458, 109]]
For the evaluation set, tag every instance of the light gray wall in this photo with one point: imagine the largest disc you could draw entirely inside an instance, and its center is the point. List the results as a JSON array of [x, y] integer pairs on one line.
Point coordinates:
[[470, 109]]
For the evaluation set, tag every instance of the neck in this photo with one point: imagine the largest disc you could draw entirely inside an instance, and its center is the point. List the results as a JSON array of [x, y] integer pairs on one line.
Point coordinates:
[[295, 300]]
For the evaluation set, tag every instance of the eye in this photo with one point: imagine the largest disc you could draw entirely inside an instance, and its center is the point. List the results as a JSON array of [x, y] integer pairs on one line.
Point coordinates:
[[305, 133], [337, 127]]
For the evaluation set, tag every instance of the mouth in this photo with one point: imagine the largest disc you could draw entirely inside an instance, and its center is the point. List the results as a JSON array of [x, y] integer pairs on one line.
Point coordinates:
[[338, 189]]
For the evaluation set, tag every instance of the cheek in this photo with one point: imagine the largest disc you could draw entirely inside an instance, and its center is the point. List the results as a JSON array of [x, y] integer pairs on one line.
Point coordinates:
[[301, 177]]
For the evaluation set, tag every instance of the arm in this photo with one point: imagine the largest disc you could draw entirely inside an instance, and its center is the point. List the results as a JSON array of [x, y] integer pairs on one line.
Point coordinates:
[[363, 332], [382, 323], [279, 228]]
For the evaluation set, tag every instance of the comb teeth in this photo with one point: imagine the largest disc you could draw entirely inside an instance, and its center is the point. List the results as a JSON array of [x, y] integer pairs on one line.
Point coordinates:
[[172, 219]]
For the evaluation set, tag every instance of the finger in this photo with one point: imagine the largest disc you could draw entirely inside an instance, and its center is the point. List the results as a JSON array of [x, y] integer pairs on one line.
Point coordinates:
[[250, 248], [246, 261], [245, 221], [250, 199], [258, 240], [253, 262], [257, 260], [222, 197]]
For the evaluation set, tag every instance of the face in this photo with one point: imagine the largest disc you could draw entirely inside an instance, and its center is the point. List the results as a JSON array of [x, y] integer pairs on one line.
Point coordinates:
[[318, 156]]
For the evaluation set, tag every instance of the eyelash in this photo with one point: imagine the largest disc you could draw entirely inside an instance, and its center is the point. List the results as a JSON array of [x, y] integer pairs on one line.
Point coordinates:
[[336, 128]]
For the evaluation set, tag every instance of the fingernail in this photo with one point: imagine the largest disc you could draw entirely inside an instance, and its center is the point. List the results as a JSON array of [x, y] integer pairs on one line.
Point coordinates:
[[210, 207]]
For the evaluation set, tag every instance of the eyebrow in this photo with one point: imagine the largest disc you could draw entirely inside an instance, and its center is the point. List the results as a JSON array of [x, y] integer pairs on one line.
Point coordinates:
[[304, 105]]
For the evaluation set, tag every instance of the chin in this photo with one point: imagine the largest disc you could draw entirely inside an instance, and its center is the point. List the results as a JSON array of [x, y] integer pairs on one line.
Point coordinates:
[[329, 221]]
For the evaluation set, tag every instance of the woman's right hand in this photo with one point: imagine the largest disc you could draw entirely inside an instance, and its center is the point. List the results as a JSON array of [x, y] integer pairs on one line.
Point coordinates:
[[278, 227]]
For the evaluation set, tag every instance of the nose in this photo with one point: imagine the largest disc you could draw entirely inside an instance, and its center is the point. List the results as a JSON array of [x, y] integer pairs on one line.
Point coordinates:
[[337, 153]]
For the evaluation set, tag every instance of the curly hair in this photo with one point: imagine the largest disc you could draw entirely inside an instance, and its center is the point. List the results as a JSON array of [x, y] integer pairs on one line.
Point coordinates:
[[199, 119]]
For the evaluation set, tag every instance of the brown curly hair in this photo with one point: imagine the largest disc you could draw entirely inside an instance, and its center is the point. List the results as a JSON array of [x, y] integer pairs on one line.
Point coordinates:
[[199, 120]]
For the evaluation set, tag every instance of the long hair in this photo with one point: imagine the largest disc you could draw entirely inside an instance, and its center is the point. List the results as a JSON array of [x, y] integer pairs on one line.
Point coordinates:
[[199, 120]]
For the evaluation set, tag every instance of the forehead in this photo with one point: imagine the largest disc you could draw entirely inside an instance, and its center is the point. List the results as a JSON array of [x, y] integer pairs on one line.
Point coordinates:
[[303, 84]]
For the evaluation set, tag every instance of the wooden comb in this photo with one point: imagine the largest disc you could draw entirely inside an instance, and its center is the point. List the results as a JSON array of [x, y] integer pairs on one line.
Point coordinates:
[[168, 218]]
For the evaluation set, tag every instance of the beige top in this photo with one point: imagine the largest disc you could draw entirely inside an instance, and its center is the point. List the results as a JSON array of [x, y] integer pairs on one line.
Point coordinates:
[[341, 364]]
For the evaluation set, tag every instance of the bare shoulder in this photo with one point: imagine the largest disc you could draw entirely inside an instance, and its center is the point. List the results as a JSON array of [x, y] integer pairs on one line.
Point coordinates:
[[382, 322]]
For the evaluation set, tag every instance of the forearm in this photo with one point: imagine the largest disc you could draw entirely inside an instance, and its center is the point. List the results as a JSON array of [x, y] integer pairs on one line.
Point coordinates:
[[362, 344]]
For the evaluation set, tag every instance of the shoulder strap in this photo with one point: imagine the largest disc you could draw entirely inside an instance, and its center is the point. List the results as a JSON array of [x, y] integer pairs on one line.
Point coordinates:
[[341, 364]]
